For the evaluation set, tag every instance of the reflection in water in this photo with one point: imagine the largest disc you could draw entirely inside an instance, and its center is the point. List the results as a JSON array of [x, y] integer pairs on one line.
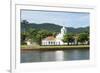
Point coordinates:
[[47, 56], [75, 54], [57, 55]]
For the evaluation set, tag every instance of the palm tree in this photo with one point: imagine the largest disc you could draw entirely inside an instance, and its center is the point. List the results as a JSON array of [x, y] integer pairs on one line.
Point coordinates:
[[25, 22]]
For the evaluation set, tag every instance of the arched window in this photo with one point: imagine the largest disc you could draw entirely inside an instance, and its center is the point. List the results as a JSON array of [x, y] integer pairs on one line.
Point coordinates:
[[54, 43], [49, 43], [59, 43]]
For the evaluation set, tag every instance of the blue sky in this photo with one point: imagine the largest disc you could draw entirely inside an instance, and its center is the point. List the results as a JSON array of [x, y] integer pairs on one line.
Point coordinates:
[[68, 19]]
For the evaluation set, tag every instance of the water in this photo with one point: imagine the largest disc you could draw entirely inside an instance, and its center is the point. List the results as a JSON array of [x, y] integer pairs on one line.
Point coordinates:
[[55, 55]]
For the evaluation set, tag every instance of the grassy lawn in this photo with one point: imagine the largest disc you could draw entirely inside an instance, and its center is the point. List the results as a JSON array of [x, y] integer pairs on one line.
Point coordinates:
[[37, 47], [24, 46], [64, 46]]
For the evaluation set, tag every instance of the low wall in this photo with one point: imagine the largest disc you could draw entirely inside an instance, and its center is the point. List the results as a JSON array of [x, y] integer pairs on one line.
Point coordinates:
[[56, 47]]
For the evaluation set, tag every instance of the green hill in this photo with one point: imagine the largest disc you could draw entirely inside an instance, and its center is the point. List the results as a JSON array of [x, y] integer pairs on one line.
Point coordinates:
[[52, 27]]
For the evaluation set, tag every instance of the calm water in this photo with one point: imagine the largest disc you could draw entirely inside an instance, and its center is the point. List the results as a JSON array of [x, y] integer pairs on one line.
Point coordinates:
[[56, 55]]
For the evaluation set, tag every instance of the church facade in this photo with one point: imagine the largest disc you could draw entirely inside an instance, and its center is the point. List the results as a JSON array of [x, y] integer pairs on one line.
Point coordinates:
[[51, 40]]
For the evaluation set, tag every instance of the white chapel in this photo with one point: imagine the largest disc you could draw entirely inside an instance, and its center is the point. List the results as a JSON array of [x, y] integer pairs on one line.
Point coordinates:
[[51, 40]]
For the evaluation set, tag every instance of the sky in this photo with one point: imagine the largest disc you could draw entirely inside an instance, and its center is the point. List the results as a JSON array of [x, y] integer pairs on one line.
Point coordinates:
[[68, 19]]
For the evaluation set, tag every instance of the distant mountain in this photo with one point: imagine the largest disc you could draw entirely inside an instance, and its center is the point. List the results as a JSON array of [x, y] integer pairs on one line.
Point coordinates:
[[52, 27], [78, 30]]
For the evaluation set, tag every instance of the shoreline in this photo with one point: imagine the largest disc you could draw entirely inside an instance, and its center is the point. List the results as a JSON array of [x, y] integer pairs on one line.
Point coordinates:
[[43, 48]]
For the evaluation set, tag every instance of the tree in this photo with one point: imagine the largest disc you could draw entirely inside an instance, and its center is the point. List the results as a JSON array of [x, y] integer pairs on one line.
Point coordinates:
[[68, 38], [23, 37], [32, 34], [24, 22], [29, 35], [83, 37], [54, 34], [42, 34]]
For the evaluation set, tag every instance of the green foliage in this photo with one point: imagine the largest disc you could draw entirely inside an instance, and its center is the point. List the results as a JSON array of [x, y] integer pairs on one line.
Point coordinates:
[[24, 22], [36, 35], [23, 37], [36, 32], [43, 34], [83, 37], [68, 38], [25, 25], [40, 35]]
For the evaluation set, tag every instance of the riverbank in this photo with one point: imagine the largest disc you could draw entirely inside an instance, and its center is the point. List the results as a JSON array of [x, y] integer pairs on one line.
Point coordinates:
[[24, 47]]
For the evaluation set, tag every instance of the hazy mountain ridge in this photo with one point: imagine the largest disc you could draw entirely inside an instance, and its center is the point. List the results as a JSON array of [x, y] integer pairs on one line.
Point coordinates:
[[52, 27]]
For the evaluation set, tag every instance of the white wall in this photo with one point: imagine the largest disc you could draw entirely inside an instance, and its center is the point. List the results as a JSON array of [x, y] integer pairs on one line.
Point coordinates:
[[5, 35]]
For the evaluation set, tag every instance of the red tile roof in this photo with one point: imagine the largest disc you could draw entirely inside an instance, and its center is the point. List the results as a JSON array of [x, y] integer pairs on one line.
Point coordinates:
[[50, 38]]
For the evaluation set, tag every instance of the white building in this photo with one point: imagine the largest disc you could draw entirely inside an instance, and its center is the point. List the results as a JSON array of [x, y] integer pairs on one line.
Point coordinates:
[[28, 42], [51, 40]]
